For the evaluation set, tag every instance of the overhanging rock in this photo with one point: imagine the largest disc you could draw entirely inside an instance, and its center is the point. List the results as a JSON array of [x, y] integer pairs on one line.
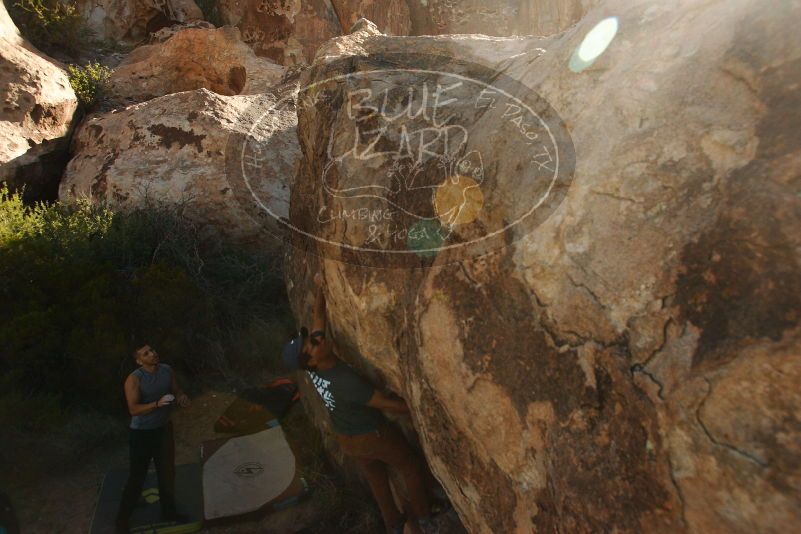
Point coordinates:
[[626, 363]]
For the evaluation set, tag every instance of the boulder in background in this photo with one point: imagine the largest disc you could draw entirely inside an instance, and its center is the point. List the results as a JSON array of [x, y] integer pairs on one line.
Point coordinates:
[[175, 149], [285, 31], [37, 108], [189, 59], [130, 21]]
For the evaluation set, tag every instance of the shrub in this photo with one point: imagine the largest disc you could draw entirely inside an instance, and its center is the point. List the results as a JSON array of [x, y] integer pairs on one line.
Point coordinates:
[[29, 413], [81, 286], [88, 82], [78, 434], [51, 25]]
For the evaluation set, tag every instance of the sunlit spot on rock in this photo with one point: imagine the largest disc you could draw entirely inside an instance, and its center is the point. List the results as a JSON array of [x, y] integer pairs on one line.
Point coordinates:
[[458, 200], [594, 44]]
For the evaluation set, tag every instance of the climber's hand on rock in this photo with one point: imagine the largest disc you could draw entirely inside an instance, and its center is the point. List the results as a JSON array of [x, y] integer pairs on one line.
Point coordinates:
[[318, 279]]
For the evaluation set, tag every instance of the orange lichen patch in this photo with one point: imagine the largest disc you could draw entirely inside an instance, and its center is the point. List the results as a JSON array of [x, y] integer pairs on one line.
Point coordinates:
[[458, 200]]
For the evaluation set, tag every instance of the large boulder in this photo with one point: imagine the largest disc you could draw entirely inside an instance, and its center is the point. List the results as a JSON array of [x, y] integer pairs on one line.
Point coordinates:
[[228, 66], [390, 16], [177, 149], [132, 20], [286, 31], [436, 17], [38, 105], [623, 357], [160, 36]]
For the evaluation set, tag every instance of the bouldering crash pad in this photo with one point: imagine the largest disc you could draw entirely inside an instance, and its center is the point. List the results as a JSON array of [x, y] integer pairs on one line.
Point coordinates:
[[146, 518], [251, 474]]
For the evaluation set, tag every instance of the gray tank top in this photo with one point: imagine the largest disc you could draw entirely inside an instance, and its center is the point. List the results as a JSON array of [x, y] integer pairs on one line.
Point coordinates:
[[153, 386]]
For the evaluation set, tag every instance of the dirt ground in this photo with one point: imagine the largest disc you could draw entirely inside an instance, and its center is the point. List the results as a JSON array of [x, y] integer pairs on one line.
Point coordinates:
[[63, 502]]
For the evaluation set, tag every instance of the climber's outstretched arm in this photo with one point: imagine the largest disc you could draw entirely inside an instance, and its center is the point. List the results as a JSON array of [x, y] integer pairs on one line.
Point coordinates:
[[383, 402]]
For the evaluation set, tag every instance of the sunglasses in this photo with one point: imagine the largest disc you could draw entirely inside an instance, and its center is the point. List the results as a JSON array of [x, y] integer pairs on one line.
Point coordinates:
[[313, 338]]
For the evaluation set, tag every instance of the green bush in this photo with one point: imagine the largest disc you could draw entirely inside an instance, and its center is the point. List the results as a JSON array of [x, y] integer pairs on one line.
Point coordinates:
[[81, 287], [88, 82], [51, 25], [29, 413], [78, 434]]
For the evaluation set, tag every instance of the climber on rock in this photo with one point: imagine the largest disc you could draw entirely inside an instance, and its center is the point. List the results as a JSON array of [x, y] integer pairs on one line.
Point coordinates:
[[361, 430]]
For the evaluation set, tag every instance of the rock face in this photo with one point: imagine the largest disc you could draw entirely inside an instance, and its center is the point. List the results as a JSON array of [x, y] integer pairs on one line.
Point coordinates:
[[177, 148], [286, 31], [390, 16], [133, 20], [228, 66], [436, 17], [629, 363], [167, 32], [38, 105]]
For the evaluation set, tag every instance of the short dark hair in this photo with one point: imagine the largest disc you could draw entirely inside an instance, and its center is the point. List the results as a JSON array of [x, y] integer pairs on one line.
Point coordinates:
[[138, 347]]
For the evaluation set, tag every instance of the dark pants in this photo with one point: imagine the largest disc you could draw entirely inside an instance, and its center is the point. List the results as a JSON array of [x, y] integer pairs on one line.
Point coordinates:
[[157, 444], [387, 447]]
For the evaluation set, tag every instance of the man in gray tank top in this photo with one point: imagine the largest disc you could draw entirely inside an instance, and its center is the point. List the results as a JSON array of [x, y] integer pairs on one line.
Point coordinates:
[[150, 392]]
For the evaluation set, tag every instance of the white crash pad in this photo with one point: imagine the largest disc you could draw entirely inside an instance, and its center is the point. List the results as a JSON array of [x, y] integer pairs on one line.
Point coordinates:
[[244, 474]]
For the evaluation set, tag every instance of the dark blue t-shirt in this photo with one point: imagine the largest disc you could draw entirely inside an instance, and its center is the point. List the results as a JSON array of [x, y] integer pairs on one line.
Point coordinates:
[[345, 395]]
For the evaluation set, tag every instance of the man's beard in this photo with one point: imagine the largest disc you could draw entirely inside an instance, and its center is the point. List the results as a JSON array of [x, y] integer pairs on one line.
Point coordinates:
[[303, 362]]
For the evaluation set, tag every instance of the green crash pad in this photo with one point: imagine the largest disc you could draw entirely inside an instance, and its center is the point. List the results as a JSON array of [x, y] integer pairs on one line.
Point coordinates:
[[146, 518]]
